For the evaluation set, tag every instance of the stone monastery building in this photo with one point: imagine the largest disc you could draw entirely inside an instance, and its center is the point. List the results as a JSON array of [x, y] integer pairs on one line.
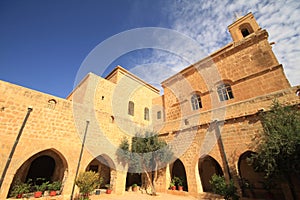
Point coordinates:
[[208, 114]]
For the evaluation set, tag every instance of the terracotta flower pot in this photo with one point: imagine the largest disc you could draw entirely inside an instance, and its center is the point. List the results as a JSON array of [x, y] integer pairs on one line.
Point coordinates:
[[173, 187], [38, 194], [52, 193], [180, 188], [108, 191]]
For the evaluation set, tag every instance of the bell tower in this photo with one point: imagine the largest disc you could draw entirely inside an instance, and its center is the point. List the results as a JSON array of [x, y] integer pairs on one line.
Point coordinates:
[[243, 27]]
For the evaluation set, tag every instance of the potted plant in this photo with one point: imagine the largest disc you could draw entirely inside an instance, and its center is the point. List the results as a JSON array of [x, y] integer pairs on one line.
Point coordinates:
[[87, 182], [40, 189], [172, 184], [134, 187], [179, 183], [19, 189], [108, 188], [54, 187], [97, 190]]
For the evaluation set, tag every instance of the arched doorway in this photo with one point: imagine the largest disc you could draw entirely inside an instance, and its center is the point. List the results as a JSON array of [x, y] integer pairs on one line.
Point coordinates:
[[105, 167], [178, 170], [253, 184], [208, 166], [41, 167], [133, 178], [48, 165]]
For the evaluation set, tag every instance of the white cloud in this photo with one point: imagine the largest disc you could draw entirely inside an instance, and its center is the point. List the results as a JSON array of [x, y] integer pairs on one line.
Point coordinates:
[[207, 21]]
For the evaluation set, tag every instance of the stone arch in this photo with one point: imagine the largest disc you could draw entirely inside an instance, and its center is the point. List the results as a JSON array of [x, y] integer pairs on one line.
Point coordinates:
[[246, 29], [178, 170], [105, 166], [208, 166], [252, 182], [49, 164]]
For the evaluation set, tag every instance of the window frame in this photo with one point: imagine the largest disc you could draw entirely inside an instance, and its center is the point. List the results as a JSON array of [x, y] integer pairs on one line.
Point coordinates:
[[131, 108], [146, 114], [158, 115], [196, 102], [225, 92]]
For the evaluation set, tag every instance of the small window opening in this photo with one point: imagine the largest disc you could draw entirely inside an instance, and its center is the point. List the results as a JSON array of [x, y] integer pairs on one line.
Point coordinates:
[[186, 122], [131, 108], [51, 104], [146, 114], [298, 93], [159, 115], [112, 119], [245, 32]]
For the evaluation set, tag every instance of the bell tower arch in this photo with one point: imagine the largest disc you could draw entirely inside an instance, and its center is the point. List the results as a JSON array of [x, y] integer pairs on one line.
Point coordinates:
[[243, 26]]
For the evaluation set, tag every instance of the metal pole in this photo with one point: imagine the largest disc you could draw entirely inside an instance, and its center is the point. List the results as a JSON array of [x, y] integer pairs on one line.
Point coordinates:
[[80, 156], [222, 149], [14, 146]]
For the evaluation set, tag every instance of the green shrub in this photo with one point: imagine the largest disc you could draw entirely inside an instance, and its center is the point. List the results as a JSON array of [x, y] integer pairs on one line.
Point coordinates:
[[87, 182], [178, 181], [20, 188], [54, 186], [42, 187], [219, 185]]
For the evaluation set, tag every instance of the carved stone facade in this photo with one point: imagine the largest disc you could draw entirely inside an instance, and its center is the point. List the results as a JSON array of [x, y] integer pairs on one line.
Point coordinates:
[[208, 114]]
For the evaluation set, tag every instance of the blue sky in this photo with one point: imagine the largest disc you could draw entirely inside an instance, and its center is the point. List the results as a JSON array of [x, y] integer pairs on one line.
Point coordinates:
[[43, 43]]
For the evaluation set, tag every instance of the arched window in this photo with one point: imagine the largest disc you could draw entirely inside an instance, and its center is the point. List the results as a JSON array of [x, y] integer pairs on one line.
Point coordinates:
[[225, 92], [245, 32], [51, 104], [158, 116], [146, 114], [130, 108], [246, 29], [196, 102]]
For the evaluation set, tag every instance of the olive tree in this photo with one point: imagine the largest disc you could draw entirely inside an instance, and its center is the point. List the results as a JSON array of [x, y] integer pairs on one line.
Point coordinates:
[[278, 149], [147, 155]]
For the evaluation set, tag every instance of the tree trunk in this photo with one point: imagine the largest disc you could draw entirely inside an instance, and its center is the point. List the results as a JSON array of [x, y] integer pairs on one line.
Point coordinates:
[[151, 184], [289, 191]]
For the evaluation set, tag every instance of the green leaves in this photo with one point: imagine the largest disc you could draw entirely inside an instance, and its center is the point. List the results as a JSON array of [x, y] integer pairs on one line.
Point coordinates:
[[148, 152], [88, 181], [219, 185], [279, 142]]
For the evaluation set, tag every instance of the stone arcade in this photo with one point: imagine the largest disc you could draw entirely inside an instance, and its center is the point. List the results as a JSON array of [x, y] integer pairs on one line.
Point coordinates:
[[209, 118]]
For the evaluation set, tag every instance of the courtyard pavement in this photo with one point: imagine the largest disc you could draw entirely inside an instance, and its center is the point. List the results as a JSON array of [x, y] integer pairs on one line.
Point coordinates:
[[140, 196]]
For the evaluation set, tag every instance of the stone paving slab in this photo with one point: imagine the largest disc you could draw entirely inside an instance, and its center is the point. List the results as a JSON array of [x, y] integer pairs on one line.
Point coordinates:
[[139, 196]]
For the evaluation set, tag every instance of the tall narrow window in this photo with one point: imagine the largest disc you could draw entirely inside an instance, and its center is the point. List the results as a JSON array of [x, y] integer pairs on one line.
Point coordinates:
[[196, 102], [225, 92], [158, 115], [130, 108], [146, 114]]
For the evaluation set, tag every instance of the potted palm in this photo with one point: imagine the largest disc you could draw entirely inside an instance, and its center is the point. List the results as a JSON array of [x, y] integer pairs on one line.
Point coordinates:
[[54, 187], [87, 182], [19, 189]]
